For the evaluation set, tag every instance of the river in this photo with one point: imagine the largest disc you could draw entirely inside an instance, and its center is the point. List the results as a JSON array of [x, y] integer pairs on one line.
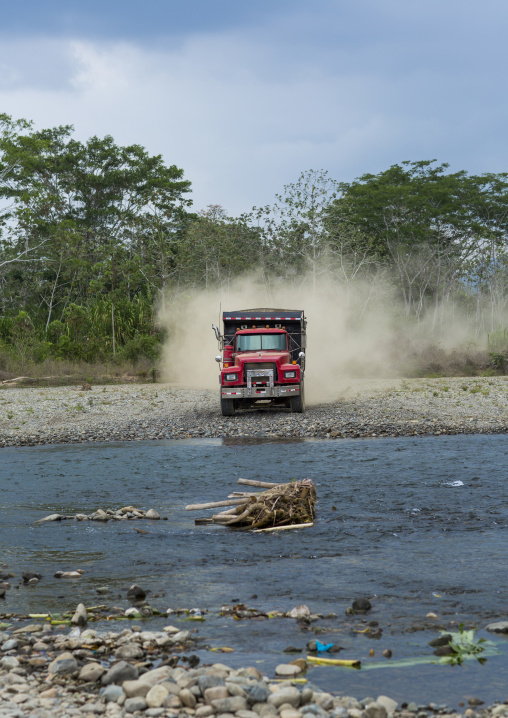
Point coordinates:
[[417, 525]]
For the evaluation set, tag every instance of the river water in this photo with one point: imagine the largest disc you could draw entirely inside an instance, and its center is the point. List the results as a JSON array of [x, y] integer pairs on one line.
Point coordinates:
[[414, 524]]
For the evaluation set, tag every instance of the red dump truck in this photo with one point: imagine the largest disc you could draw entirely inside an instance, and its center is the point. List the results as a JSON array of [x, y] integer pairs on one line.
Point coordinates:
[[263, 359]]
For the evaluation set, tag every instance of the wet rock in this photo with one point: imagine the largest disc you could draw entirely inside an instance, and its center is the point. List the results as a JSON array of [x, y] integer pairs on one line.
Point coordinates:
[[69, 574], [51, 517], [498, 627], [102, 590], [152, 514], [473, 702], [28, 575], [443, 651], [361, 605], [287, 670], [136, 593], [120, 672], [80, 617], [299, 612], [63, 664], [442, 640], [182, 636], [387, 653], [99, 515], [292, 649]]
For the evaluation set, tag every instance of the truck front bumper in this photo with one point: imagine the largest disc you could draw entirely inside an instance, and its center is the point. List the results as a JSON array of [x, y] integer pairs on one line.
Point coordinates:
[[253, 393]]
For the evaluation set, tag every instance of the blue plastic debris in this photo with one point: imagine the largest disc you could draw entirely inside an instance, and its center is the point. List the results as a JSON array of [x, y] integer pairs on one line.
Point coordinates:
[[322, 647]]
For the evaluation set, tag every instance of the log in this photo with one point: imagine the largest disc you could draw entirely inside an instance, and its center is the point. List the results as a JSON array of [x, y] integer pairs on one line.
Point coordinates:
[[242, 494], [242, 516], [229, 512], [214, 504], [253, 482], [283, 528]]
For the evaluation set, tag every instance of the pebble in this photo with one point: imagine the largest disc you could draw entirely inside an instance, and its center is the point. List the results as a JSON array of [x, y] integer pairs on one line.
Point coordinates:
[[358, 408]]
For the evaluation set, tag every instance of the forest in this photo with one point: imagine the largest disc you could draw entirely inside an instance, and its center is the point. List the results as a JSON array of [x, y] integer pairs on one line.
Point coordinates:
[[95, 238]]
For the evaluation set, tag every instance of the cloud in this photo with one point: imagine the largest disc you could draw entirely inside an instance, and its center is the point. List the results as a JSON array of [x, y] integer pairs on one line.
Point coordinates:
[[243, 111]]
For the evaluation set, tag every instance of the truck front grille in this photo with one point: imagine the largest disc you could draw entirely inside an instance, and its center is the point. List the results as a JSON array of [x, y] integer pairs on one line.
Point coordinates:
[[259, 366]]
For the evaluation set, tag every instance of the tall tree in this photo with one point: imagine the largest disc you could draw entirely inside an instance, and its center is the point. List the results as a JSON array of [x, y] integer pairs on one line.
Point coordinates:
[[75, 209], [426, 224]]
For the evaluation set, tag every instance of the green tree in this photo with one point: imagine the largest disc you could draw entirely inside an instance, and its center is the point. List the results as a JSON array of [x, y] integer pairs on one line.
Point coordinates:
[[425, 224], [295, 229], [75, 208], [217, 248]]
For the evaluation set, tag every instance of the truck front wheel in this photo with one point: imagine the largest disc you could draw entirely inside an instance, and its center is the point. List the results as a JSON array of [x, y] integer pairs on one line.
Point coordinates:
[[297, 403], [227, 407]]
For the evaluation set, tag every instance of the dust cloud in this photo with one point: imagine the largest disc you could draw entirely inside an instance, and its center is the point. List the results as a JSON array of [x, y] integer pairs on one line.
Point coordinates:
[[353, 332]]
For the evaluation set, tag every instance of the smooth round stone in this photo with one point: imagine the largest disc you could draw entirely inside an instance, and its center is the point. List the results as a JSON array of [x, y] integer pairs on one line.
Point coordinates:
[[9, 662], [156, 696], [286, 694], [287, 670], [10, 644], [132, 705]]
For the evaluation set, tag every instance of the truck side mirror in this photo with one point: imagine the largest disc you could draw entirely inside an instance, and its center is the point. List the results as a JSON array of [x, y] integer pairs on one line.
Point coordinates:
[[217, 333], [301, 355], [218, 358]]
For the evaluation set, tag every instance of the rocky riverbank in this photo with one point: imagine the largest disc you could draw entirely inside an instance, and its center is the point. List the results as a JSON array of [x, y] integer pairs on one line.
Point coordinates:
[[56, 671], [359, 408]]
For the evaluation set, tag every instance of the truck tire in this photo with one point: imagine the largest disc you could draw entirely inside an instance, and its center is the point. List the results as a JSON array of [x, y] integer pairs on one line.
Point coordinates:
[[297, 403], [227, 407]]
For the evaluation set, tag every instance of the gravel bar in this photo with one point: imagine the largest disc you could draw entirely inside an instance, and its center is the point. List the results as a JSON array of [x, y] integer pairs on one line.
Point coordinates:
[[357, 409]]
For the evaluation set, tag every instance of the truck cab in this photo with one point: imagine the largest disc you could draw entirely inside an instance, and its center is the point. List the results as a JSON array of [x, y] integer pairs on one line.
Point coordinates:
[[263, 362]]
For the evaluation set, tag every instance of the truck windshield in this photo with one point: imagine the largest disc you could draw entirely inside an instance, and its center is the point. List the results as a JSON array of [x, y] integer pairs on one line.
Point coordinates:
[[256, 342]]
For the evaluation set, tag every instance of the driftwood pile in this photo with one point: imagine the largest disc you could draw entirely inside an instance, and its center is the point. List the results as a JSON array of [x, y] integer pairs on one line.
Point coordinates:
[[280, 506]]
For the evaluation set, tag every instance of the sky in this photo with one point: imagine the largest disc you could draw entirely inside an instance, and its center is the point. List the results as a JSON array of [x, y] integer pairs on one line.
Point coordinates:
[[245, 96]]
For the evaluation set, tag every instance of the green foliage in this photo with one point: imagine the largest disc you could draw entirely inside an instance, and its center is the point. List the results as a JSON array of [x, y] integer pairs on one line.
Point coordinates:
[[216, 248], [428, 226], [464, 645], [499, 361]]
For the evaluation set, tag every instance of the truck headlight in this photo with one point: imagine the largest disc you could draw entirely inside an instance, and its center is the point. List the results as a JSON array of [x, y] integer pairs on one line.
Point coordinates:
[[290, 374], [231, 377]]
